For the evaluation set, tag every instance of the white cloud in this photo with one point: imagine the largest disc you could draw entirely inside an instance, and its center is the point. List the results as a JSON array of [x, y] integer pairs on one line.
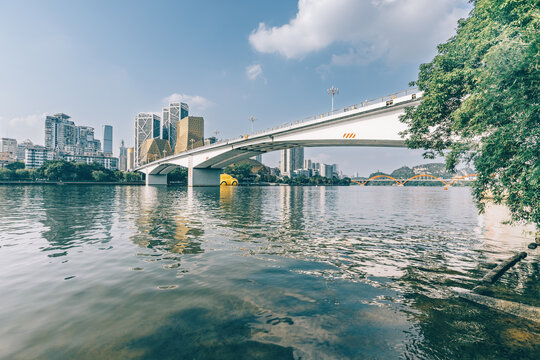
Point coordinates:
[[399, 31], [196, 103], [24, 127], [253, 71]]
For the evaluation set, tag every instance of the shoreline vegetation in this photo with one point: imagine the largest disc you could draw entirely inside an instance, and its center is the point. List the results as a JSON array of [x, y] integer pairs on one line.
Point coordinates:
[[61, 172], [64, 172]]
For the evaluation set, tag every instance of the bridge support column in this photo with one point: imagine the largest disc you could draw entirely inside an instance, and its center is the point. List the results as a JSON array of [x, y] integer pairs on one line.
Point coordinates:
[[203, 177], [156, 179]]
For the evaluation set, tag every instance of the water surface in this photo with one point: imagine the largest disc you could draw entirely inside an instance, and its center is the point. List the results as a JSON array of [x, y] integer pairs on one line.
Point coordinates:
[[261, 273]]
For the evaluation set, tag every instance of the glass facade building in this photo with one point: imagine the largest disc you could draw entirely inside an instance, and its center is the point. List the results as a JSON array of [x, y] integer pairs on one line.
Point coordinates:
[[171, 118], [291, 159], [147, 126], [107, 139]]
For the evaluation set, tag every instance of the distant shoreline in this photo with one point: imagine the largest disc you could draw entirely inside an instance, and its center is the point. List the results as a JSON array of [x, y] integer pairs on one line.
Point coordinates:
[[14, 182]]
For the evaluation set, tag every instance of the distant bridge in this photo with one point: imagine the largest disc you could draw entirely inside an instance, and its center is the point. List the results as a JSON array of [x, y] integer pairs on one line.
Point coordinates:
[[370, 123], [419, 177]]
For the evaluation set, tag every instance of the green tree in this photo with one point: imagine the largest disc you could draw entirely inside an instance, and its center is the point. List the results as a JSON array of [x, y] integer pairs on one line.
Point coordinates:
[[15, 165], [481, 102], [25, 174], [178, 176], [100, 175], [131, 176], [240, 171], [6, 174], [59, 170]]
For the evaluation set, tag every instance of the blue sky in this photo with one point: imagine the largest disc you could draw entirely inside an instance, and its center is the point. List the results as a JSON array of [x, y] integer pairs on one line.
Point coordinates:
[[102, 62]]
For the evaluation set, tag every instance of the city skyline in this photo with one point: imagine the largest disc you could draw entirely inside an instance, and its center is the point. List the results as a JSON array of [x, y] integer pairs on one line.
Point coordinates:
[[226, 76]]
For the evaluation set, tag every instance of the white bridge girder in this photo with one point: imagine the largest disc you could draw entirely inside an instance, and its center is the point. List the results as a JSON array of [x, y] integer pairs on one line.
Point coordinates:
[[375, 125]]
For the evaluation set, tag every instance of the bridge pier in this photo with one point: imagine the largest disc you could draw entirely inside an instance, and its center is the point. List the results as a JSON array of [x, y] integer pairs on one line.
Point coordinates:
[[156, 179], [203, 177]]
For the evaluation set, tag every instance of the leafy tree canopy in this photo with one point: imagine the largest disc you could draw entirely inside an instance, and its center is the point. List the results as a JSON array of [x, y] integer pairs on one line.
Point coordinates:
[[481, 103]]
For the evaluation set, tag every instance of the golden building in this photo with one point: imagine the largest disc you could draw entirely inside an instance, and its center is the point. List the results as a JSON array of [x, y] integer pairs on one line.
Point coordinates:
[[130, 158], [154, 149], [190, 133]]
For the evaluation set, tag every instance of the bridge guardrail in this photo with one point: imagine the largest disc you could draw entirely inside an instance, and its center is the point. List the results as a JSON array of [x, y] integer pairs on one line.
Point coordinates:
[[357, 106]]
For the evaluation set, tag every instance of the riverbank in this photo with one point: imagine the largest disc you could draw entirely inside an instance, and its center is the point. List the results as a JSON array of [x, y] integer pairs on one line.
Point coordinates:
[[8, 182]]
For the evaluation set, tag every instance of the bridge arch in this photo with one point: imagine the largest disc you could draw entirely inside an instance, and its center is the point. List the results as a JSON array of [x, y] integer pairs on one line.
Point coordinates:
[[376, 177], [425, 175]]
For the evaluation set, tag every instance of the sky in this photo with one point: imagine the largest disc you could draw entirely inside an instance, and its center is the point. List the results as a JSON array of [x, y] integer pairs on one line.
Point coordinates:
[[102, 62]]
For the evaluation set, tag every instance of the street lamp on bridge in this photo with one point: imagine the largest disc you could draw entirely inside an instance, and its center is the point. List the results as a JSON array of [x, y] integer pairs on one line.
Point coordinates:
[[334, 91], [252, 119]]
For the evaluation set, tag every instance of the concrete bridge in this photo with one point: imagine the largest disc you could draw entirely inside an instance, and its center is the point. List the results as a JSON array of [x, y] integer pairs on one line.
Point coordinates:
[[370, 123]]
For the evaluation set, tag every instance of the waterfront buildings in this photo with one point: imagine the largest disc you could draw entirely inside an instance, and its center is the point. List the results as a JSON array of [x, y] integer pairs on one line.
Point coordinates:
[[85, 142], [190, 133], [122, 157], [291, 159], [21, 149], [107, 139], [154, 149], [8, 146], [171, 117], [106, 161], [36, 155], [66, 141], [130, 158], [147, 126], [59, 132]]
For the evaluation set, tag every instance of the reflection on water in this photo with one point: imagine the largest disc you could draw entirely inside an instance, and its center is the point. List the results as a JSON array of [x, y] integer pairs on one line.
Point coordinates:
[[262, 272]]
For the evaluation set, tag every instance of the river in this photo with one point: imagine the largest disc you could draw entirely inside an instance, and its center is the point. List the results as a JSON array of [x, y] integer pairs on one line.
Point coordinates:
[[134, 272]]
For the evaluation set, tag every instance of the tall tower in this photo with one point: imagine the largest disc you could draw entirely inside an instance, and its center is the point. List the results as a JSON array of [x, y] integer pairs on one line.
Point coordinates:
[[147, 126], [107, 139], [130, 159], [122, 158], [291, 159], [171, 117], [59, 132]]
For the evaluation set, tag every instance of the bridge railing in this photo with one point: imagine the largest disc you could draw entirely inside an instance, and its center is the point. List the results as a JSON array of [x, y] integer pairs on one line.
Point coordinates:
[[314, 118]]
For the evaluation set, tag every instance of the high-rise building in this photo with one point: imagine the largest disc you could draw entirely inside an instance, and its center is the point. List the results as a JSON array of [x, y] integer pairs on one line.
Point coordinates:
[[190, 133], [107, 139], [85, 141], [9, 146], [291, 159], [171, 117], [165, 124], [147, 126], [21, 148], [59, 132], [122, 157], [130, 159], [326, 171], [36, 155]]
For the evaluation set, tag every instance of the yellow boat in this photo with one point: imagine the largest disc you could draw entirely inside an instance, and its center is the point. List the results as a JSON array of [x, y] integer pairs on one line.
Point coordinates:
[[227, 180]]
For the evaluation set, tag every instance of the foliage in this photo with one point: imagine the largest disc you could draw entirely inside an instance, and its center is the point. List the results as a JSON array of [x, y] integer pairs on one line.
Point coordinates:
[[481, 102], [315, 180], [15, 165], [178, 176], [59, 170], [240, 171]]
